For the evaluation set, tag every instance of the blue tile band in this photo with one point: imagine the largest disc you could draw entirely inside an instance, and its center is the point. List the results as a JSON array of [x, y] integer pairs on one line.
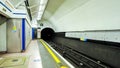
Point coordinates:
[[5, 6], [33, 30], [11, 10], [23, 34]]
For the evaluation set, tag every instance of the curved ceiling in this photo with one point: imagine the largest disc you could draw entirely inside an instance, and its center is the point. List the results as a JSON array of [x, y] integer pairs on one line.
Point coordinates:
[[50, 7], [60, 8]]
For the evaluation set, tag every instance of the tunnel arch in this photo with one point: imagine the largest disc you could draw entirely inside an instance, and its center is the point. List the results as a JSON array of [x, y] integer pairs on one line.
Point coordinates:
[[47, 33]]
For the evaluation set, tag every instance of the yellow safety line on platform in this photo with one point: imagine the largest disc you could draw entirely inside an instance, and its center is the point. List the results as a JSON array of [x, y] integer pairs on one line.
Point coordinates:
[[57, 60]]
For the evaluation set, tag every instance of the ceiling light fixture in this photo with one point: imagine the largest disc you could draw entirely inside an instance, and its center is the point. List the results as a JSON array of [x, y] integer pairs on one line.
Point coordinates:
[[41, 8]]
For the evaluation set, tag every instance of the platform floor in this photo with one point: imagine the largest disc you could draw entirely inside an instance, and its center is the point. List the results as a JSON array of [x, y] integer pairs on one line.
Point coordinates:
[[33, 53], [47, 60], [36, 55]]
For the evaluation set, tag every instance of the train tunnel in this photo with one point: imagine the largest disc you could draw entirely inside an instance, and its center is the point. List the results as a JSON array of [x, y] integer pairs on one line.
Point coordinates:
[[59, 33], [47, 33]]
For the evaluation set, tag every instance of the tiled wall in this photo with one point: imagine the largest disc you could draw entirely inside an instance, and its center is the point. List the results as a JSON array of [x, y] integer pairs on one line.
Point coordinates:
[[3, 37], [112, 36]]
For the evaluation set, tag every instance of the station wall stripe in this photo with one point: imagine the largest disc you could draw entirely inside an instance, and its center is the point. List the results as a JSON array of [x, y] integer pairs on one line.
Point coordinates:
[[19, 13], [23, 34], [5, 6], [33, 30], [11, 10]]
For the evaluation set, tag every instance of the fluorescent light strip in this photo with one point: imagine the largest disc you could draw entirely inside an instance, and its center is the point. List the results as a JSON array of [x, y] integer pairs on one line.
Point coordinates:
[[41, 8], [41, 1]]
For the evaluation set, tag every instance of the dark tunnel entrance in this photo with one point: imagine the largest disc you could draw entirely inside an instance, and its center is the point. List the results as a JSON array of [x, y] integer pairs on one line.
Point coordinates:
[[47, 34]]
